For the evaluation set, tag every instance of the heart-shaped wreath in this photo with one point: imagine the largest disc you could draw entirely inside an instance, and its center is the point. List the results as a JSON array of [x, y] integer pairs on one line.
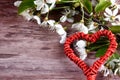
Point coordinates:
[[91, 71]]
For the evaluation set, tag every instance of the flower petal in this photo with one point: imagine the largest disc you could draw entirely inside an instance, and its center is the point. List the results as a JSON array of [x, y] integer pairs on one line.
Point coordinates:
[[50, 1], [102, 68], [115, 12], [118, 6], [63, 38], [81, 44], [75, 26], [80, 27], [37, 19], [106, 15], [17, 3], [91, 26], [39, 3], [83, 53], [80, 47], [59, 29], [61, 32], [116, 23], [118, 17], [26, 15], [107, 19], [116, 70], [63, 18], [106, 72], [112, 1], [44, 24], [45, 9], [71, 20], [52, 5], [83, 29], [51, 22], [108, 11]]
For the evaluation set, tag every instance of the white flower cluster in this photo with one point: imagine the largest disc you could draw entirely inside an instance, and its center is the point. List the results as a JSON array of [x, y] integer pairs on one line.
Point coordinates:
[[108, 68], [81, 44], [55, 26], [44, 6], [68, 15], [111, 14]]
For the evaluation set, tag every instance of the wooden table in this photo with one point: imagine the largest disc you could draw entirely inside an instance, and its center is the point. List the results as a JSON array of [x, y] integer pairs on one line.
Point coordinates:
[[29, 52]]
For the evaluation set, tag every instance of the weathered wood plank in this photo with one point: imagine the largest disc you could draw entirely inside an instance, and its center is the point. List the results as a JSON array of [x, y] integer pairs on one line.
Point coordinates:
[[29, 52]]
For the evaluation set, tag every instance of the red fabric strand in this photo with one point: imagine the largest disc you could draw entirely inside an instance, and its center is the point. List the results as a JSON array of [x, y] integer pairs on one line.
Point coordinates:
[[90, 72]]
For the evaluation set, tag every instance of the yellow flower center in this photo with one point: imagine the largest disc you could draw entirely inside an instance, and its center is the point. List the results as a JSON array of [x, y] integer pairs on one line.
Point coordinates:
[[95, 24], [112, 17]]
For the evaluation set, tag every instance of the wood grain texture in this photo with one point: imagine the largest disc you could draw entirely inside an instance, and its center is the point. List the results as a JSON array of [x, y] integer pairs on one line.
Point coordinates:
[[29, 52]]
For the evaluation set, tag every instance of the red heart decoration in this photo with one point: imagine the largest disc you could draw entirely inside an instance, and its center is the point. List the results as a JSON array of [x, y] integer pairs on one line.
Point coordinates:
[[91, 71]]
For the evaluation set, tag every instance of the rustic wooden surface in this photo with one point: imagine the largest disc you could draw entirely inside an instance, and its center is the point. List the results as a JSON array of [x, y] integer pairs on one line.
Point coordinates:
[[29, 52]]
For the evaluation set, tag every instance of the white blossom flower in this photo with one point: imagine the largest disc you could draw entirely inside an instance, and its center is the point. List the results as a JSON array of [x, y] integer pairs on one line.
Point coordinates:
[[92, 27], [43, 6], [63, 18], [29, 16], [116, 23], [111, 67], [48, 23], [68, 15], [37, 19], [40, 4], [117, 71], [44, 23], [26, 15], [52, 2], [116, 60], [117, 67], [81, 44], [105, 70], [71, 20], [45, 9], [110, 15], [80, 47], [80, 27], [17, 3], [51, 24], [59, 29], [115, 3]]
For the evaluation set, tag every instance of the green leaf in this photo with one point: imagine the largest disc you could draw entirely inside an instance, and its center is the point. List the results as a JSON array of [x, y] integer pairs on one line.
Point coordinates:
[[103, 41], [114, 56], [102, 5], [115, 29], [25, 5], [66, 1], [101, 51], [87, 4]]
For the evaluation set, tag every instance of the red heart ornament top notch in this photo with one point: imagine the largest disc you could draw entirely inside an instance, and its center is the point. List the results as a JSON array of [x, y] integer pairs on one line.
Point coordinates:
[[91, 71]]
